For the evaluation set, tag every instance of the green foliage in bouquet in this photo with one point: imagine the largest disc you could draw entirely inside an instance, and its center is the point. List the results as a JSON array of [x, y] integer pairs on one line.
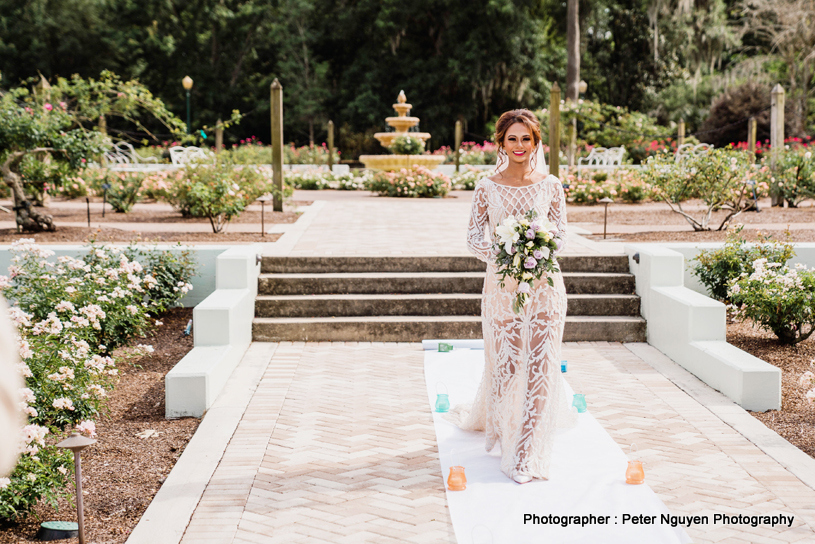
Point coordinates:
[[718, 268], [407, 145]]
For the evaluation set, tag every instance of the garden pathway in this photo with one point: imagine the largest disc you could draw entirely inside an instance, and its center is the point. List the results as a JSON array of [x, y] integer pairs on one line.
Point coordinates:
[[334, 442], [337, 445]]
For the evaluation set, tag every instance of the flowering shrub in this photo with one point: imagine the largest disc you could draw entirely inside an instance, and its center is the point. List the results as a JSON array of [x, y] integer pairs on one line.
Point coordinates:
[[807, 379], [720, 178], [73, 187], [124, 191], [471, 153], [320, 179], [70, 314], [252, 151], [407, 145], [794, 175], [627, 185], [468, 177], [777, 298], [218, 192], [415, 182], [718, 268], [308, 180]]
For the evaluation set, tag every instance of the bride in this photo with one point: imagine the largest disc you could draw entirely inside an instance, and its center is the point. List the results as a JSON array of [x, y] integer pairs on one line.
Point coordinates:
[[521, 400]]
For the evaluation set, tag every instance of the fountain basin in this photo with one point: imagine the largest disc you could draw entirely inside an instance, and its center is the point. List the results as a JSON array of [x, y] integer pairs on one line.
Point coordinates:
[[387, 138], [397, 162]]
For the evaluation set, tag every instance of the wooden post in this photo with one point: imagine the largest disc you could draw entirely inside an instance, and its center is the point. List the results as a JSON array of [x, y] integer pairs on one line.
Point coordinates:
[[103, 128], [277, 143], [680, 128], [751, 137], [219, 136], [776, 137], [554, 131], [330, 145], [459, 137]]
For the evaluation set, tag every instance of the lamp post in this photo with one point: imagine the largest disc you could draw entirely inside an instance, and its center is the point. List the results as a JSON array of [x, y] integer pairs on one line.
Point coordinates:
[[605, 201], [582, 86], [76, 443], [187, 83]]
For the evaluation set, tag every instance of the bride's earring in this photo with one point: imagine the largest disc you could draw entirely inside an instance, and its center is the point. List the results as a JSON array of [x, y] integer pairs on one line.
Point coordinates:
[[534, 162]]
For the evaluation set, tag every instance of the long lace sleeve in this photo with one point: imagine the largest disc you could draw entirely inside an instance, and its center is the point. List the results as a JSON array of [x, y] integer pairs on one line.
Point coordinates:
[[557, 213], [478, 223]]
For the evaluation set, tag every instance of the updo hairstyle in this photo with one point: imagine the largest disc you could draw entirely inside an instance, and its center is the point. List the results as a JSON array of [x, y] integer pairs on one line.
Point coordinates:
[[511, 117]]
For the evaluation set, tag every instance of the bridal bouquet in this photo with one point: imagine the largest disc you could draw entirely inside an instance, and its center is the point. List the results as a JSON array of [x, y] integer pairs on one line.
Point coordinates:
[[525, 250]]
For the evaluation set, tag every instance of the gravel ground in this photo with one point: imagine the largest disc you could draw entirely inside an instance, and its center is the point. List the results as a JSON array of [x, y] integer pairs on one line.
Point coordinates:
[[796, 419], [121, 472]]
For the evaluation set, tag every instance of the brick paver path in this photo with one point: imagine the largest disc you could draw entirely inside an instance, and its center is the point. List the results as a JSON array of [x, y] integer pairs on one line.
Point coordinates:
[[337, 446]]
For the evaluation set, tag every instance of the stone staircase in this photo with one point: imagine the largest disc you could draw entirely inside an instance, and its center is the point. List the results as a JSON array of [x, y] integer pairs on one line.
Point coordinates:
[[407, 299]]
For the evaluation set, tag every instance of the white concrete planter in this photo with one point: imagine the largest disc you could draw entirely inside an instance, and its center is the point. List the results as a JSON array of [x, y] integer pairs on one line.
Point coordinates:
[[223, 331], [690, 328]]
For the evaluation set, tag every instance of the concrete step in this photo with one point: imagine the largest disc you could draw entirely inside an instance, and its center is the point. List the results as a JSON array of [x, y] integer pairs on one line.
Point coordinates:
[[456, 263], [417, 328], [424, 282], [422, 304]]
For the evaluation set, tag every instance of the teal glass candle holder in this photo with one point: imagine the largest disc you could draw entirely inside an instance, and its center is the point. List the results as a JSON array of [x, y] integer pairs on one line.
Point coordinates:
[[442, 403], [579, 402], [563, 365], [443, 348]]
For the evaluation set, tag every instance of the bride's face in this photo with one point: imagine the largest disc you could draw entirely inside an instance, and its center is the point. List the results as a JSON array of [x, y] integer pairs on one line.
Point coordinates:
[[518, 143]]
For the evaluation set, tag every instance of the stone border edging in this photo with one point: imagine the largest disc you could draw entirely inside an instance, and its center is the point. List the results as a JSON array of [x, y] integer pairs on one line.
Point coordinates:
[[787, 455], [171, 509]]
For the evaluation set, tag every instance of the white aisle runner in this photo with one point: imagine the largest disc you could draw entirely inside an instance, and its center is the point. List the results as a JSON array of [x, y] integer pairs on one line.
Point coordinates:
[[587, 477]]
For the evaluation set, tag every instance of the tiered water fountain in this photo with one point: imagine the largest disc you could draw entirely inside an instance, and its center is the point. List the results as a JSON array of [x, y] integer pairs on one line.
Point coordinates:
[[401, 124]]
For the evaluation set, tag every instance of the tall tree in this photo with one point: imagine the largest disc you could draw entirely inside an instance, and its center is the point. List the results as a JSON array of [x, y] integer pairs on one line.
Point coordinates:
[[788, 29], [573, 51]]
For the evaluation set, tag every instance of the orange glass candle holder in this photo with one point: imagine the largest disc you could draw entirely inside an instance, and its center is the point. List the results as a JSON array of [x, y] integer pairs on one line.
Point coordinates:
[[457, 481], [634, 473]]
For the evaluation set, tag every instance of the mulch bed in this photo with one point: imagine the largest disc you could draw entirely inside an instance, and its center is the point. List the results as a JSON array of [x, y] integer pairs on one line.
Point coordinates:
[[658, 213], [81, 235], [796, 419], [706, 236], [121, 472], [65, 215]]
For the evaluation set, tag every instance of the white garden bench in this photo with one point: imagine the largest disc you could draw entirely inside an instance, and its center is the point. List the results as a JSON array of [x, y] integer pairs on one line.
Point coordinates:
[[601, 158], [187, 155], [697, 150], [124, 153]]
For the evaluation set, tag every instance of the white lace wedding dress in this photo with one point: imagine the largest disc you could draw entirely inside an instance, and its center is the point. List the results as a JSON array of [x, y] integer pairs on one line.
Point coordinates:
[[521, 400]]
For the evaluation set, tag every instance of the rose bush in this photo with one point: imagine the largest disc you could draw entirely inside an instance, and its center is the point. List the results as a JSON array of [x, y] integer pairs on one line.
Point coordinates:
[[414, 182], [777, 298], [721, 179], [471, 153], [718, 268], [70, 315]]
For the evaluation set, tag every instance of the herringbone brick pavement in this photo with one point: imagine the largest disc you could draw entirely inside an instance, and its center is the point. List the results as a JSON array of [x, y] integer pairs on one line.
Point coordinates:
[[696, 463], [337, 446]]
